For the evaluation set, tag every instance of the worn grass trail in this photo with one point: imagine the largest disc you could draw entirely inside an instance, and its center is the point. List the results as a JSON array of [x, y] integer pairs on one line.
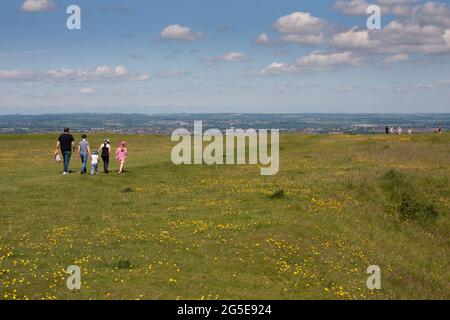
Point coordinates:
[[164, 232]]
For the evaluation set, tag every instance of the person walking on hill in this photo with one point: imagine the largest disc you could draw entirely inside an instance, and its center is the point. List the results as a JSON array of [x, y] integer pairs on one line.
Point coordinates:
[[66, 143], [105, 152], [84, 152], [94, 162], [121, 155]]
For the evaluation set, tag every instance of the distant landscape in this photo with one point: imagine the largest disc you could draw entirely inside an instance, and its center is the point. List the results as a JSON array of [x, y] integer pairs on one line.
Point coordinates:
[[166, 123]]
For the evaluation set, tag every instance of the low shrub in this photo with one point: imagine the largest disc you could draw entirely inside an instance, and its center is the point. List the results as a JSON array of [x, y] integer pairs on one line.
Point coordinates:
[[277, 194], [124, 264], [409, 203]]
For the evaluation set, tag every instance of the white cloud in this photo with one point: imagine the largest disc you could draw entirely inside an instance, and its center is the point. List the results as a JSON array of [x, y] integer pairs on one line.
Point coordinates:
[[277, 68], [353, 7], [229, 57], [87, 91], [177, 32], [263, 39], [16, 75], [419, 28], [233, 57], [432, 13], [353, 39], [425, 30], [315, 61], [299, 22], [99, 74], [443, 82], [301, 28], [398, 37], [359, 7], [395, 2], [37, 5], [401, 10], [397, 58]]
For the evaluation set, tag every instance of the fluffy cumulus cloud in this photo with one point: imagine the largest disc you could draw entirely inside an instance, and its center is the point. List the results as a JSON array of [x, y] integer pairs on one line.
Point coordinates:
[[409, 37], [433, 13], [353, 39], [37, 5], [424, 30], [301, 28], [359, 7], [177, 32], [353, 7], [315, 61], [298, 22], [415, 28], [99, 74]]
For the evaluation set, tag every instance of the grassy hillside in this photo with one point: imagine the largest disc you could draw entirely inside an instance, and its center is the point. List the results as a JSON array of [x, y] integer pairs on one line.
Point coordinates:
[[197, 232]]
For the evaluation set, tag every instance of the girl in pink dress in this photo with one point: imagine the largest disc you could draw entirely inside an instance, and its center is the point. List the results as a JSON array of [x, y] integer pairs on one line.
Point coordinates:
[[121, 155]]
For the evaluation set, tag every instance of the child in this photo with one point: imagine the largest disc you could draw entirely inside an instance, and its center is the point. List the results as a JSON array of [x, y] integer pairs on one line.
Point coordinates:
[[94, 163], [121, 155]]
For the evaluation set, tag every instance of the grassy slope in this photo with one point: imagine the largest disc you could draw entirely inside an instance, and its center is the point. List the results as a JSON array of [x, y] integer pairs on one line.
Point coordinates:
[[214, 232]]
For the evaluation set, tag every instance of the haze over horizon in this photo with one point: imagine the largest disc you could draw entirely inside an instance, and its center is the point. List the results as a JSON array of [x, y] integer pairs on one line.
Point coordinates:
[[224, 57], [218, 112]]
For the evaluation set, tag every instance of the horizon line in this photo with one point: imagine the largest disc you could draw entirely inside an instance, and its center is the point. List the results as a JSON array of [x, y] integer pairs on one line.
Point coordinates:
[[225, 113]]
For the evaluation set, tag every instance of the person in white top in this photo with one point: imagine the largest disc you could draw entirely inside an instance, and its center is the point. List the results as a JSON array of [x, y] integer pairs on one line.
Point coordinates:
[[94, 163]]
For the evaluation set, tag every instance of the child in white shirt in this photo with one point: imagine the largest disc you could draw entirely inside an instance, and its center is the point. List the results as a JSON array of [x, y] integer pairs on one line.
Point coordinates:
[[94, 162]]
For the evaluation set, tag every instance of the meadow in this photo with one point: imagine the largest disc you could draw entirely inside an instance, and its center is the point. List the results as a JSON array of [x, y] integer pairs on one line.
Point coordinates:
[[339, 204]]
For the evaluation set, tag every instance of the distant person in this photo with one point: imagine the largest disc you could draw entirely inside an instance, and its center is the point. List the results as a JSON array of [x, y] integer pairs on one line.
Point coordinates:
[[399, 130], [84, 152], [121, 155], [387, 130], [94, 162], [391, 129], [105, 152], [439, 129], [66, 143]]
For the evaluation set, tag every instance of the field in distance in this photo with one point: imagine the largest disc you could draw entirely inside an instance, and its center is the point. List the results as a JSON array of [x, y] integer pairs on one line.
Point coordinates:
[[339, 204]]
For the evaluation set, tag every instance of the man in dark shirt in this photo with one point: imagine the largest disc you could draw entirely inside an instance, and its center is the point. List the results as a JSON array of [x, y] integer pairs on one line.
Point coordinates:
[[66, 144]]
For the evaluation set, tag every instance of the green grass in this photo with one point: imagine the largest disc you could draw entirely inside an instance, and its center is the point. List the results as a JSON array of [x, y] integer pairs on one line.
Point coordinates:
[[225, 232]]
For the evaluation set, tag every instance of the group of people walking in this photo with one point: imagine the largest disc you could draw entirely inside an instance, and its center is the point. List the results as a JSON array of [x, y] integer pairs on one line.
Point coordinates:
[[66, 145], [391, 130]]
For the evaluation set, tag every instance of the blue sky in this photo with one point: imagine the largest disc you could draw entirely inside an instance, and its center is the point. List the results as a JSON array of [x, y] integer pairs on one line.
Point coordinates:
[[224, 56]]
